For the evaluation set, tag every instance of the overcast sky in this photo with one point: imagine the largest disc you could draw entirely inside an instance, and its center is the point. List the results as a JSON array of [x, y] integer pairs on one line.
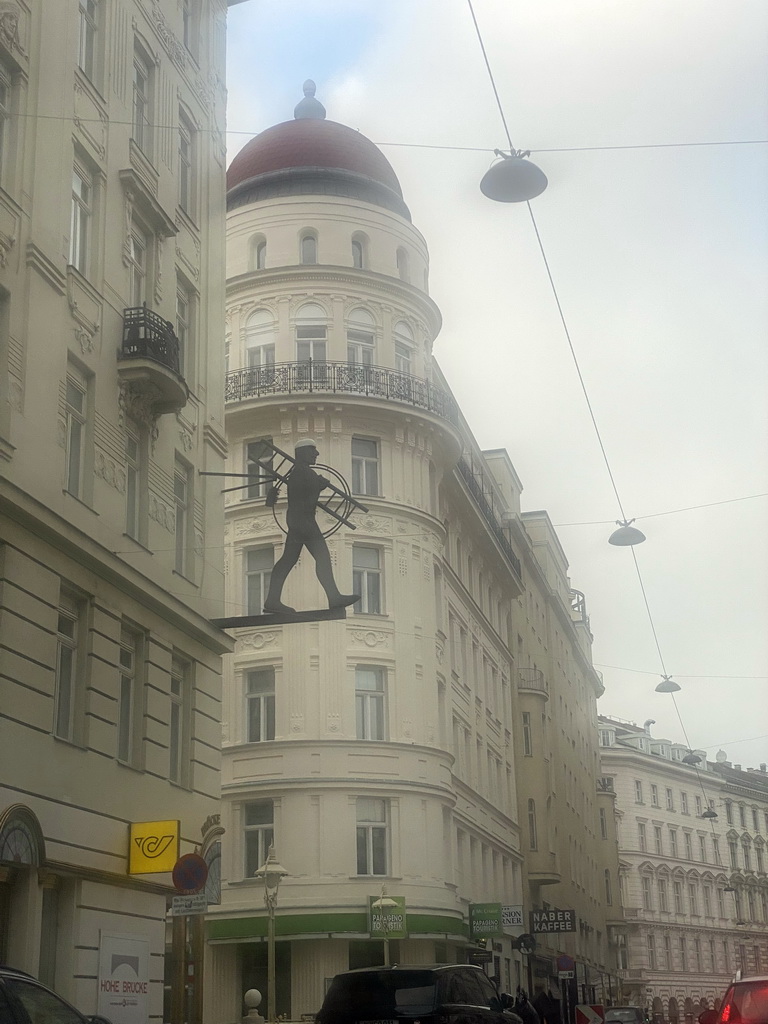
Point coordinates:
[[660, 259]]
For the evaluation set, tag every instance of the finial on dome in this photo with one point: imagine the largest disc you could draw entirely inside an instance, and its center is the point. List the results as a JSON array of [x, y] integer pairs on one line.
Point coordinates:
[[309, 107]]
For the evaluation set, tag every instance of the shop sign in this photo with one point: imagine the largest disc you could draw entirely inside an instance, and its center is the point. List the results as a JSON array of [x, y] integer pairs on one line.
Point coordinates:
[[484, 919], [123, 978], [153, 847], [388, 922], [553, 921], [512, 916]]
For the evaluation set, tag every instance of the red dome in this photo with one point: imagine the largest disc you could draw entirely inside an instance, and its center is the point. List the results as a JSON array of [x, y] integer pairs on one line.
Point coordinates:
[[309, 142]]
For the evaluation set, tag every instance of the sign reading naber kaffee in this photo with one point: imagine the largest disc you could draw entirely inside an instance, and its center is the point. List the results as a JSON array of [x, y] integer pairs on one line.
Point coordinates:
[[553, 921]]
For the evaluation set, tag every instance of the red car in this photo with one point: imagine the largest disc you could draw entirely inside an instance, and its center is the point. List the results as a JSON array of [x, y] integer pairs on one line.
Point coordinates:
[[745, 1002]]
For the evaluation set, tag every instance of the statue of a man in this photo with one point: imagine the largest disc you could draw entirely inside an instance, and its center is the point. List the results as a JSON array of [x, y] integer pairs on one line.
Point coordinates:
[[304, 487]]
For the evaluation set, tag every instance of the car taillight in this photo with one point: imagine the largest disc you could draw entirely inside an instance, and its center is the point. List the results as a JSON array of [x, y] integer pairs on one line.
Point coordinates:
[[730, 1015]]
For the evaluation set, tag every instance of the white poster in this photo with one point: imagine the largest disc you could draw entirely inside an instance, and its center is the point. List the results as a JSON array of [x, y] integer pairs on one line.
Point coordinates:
[[123, 978]]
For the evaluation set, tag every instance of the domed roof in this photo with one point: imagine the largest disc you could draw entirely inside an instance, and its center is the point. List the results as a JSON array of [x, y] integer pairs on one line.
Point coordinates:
[[310, 155]]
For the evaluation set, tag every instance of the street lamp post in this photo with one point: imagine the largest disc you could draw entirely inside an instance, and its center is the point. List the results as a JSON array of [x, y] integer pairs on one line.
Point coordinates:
[[272, 871], [385, 903]]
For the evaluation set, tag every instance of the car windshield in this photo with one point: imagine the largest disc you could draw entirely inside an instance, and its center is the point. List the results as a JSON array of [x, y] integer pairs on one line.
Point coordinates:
[[373, 996], [624, 1013], [747, 1004]]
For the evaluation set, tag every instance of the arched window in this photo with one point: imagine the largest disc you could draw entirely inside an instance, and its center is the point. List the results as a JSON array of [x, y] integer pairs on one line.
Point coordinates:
[[403, 347], [258, 253], [532, 836], [311, 339], [403, 271], [309, 249], [361, 338], [260, 339], [358, 253]]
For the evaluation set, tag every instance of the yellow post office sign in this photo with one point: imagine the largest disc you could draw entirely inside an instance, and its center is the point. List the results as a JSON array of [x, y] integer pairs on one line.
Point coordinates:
[[154, 846]]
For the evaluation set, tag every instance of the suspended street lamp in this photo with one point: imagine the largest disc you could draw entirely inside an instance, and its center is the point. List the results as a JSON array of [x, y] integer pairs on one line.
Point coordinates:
[[667, 685], [626, 535], [513, 179]]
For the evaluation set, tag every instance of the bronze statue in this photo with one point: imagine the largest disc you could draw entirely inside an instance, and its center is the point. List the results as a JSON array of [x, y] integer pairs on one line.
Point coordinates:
[[304, 488]]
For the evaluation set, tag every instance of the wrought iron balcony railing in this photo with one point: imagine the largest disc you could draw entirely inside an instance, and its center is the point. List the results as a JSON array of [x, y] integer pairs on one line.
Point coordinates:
[[340, 378], [147, 336], [477, 492]]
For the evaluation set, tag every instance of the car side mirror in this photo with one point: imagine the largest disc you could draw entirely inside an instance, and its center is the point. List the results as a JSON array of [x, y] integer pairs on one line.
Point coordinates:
[[507, 1002]]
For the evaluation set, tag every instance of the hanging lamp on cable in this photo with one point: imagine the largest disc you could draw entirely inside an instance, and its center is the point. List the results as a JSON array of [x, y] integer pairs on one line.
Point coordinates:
[[626, 535], [514, 179], [709, 813], [691, 758], [667, 685]]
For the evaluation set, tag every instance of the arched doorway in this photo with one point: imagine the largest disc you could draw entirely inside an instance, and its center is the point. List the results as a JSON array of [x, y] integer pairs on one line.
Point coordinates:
[[657, 1010], [688, 1010], [674, 1011], [22, 851]]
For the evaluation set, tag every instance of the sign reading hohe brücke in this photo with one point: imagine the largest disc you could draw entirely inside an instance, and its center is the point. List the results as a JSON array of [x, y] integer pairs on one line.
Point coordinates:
[[553, 921]]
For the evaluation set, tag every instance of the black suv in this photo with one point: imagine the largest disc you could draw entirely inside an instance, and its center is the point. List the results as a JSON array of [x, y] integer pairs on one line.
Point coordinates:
[[440, 994], [24, 1000]]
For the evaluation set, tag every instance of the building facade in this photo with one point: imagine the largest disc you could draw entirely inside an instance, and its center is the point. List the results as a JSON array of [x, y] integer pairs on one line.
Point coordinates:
[[384, 749], [111, 402], [694, 885]]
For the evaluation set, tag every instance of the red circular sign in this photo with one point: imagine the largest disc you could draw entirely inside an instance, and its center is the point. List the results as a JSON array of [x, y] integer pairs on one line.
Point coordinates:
[[190, 873]]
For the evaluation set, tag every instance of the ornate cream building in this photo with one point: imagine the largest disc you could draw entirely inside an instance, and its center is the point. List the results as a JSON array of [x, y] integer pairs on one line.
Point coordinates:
[[111, 401], [694, 886], [442, 739]]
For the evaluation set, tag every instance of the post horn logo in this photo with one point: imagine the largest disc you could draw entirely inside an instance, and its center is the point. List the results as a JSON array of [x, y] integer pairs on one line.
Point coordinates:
[[153, 846]]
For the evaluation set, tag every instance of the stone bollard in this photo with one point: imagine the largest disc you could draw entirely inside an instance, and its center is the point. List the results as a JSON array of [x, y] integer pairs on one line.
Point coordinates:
[[252, 1000]]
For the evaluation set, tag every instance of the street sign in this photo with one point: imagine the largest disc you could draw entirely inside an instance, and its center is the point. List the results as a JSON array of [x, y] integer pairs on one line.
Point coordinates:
[[566, 963], [525, 943], [480, 956], [195, 903], [589, 1014], [553, 921], [484, 919], [388, 922], [566, 975], [190, 873], [512, 916]]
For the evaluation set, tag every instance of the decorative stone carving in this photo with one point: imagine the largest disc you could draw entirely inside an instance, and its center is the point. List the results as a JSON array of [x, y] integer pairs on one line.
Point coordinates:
[[138, 404], [162, 513], [7, 242], [256, 641], [185, 437], [439, 653], [109, 471], [297, 722], [369, 638], [9, 26], [247, 527], [333, 722], [376, 524], [175, 50]]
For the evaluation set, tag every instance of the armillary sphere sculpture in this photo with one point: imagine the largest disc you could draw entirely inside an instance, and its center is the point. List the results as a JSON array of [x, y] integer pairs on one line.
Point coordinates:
[[304, 487]]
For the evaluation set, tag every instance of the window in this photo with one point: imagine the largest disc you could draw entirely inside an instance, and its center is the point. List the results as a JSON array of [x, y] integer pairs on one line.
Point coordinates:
[[80, 226], [729, 811], [646, 890], [742, 816], [138, 265], [371, 836], [747, 851], [721, 903], [259, 457], [141, 100], [365, 466], [189, 25], [677, 892], [358, 254], [638, 791], [707, 891], [76, 415], [651, 951], [260, 704], [259, 834], [657, 839], [258, 572], [654, 795], [366, 579], [369, 702], [533, 839], [309, 249], [403, 348], [260, 339], [135, 477], [668, 952], [684, 803], [403, 270], [670, 800], [528, 741], [733, 850], [688, 845], [693, 899], [673, 841], [703, 849], [760, 861], [360, 348], [608, 891], [712, 956], [185, 306], [663, 899], [187, 164], [128, 696], [698, 806], [178, 739], [86, 50], [182, 487], [716, 849], [642, 844], [683, 954], [68, 645], [310, 343], [260, 255]]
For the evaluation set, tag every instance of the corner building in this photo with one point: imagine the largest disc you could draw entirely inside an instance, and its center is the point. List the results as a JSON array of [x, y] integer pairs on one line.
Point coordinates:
[[377, 750], [111, 384]]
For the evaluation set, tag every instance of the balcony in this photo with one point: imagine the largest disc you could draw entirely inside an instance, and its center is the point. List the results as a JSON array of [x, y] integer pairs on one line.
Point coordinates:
[[148, 361], [484, 500], [532, 679], [321, 378]]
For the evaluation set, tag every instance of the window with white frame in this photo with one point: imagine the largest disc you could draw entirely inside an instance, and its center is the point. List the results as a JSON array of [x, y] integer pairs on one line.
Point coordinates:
[[683, 954], [747, 854], [673, 841], [81, 219], [182, 495], [642, 843], [403, 348], [716, 850], [651, 942], [86, 44], [258, 573], [677, 893], [733, 850], [308, 249], [693, 899], [707, 893], [260, 704], [365, 466], [729, 811], [190, 25], [367, 579], [138, 260], [654, 795], [361, 338], [608, 888], [759, 854], [142, 100], [528, 739], [703, 848], [259, 459], [720, 902], [187, 164], [258, 253], [742, 816], [260, 333], [670, 800], [372, 839], [135, 480], [668, 951], [638, 791], [683, 803], [657, 839], [69, 641], [687, 839], [661, 886], [311, 343], [370, 696], [76, 420], [699, 807], [358, 253], [646, 890], [185, 326], [603, 824], [258, 834], [128, 702], [178, 741]]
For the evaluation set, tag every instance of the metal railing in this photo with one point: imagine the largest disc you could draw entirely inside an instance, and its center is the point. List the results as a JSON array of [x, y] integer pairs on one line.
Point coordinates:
[[312, 376], [476, 490], [147, 336]]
